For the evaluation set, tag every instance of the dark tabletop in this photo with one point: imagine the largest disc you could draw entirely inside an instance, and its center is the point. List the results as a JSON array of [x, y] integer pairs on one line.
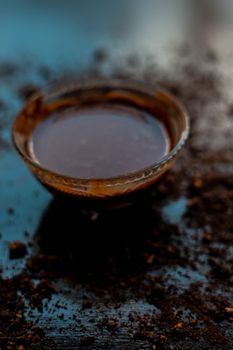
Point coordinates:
[[154, 276]]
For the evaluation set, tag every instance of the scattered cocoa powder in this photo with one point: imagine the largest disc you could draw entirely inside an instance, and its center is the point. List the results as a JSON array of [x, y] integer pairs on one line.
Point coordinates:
[[17, 250], [180, 272], [15, 332], [27, 91]]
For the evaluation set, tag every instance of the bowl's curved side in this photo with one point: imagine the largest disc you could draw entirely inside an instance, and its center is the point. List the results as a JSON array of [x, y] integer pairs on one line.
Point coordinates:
[[156, 102]]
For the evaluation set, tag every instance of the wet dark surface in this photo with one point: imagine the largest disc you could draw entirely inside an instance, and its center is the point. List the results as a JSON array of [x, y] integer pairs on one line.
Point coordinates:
[[156, 276]]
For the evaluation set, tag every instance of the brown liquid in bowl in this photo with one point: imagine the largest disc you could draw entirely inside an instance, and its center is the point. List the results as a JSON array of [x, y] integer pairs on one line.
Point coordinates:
[[99, 141]]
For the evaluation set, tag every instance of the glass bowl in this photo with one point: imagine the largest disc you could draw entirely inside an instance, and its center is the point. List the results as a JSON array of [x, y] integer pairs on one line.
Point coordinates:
[[157, 103]]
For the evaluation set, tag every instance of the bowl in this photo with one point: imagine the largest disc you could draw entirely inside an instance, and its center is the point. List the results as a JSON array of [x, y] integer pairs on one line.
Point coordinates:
[[122, 188]]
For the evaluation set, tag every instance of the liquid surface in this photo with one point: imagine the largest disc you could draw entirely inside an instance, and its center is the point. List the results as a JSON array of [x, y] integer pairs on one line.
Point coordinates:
[[99, 142]]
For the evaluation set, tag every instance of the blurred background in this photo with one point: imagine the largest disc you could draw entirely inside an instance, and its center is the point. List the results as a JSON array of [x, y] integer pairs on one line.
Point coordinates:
[[59, 33], [72, 36], [66, 35]]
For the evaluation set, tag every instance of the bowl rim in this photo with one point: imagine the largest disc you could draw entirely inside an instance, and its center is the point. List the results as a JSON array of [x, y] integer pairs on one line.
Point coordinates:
[[140, 87]]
